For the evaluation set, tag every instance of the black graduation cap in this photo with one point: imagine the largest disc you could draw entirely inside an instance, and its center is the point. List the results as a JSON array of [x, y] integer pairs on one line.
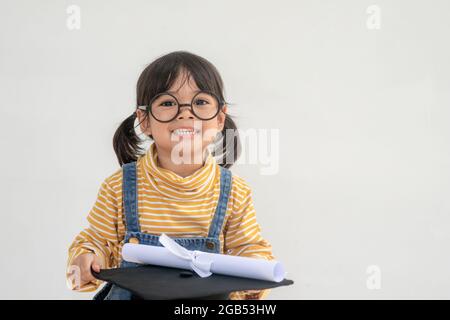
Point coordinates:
[[153, 282]]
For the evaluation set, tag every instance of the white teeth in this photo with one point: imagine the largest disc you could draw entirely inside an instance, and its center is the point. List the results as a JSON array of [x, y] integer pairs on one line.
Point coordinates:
[[184, 131]]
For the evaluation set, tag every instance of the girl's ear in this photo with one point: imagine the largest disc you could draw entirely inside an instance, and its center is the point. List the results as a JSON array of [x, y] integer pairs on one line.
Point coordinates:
[[221, 117], [144, 122]]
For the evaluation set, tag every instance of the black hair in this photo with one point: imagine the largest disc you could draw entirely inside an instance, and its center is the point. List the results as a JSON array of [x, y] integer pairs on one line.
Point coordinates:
[[158, 77]]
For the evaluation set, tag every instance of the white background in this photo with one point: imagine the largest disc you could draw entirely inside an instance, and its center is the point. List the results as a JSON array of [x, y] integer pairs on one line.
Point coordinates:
[[363, 116]]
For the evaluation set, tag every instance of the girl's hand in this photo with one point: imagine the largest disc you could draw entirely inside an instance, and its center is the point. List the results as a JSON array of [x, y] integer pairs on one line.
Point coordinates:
[[84, 262], [252, 294]]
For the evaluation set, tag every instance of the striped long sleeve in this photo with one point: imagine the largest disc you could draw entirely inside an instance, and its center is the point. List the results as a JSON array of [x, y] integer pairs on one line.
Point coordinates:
[[101, 237], [243, 236]]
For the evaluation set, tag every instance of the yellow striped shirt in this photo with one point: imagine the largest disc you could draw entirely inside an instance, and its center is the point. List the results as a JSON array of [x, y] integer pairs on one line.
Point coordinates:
[[175, 205]]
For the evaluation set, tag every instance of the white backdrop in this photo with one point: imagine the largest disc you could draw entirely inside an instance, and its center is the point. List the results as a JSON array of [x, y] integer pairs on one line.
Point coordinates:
[[359, 91]]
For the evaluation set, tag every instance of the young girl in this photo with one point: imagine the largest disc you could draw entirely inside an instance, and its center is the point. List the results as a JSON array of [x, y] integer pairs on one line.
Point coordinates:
[[177, 187]]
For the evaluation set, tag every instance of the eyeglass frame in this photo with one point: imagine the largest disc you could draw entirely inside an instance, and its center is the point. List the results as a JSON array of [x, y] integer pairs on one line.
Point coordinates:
[[148, 108]]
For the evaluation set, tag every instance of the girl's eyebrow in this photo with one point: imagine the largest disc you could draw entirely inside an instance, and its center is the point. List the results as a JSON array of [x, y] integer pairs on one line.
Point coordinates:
[[173, 92]]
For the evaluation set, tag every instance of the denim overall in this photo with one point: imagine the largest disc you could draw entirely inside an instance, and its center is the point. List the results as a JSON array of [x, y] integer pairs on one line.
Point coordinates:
[[211, 243]]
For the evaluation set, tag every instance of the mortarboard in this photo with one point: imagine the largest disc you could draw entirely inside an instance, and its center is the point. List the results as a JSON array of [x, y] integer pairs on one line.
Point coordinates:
[[152, 282]]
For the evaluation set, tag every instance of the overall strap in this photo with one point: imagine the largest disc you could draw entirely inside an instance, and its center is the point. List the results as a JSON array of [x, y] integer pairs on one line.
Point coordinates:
[[129, 190], [225, 189]]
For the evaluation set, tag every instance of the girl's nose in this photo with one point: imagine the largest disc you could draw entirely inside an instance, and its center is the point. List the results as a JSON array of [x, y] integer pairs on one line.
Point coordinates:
[[185, 112]]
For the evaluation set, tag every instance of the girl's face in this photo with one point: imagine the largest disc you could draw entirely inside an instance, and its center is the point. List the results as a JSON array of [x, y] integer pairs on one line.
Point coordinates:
[[167, 135]]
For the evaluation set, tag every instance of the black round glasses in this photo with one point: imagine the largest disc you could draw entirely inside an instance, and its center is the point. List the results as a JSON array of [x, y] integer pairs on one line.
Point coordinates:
[[164, 107]]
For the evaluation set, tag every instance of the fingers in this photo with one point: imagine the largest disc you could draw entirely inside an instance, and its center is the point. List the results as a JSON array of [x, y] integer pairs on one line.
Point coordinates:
[[252, 294], [96, 266], [252, 291], [84, 263], [85, 266]]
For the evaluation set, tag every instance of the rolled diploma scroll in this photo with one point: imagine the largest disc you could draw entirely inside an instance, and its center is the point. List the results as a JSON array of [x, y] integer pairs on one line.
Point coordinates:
[[255, 268]]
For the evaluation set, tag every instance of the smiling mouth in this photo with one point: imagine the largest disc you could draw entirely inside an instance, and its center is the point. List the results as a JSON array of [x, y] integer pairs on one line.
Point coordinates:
[[185, 132]]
